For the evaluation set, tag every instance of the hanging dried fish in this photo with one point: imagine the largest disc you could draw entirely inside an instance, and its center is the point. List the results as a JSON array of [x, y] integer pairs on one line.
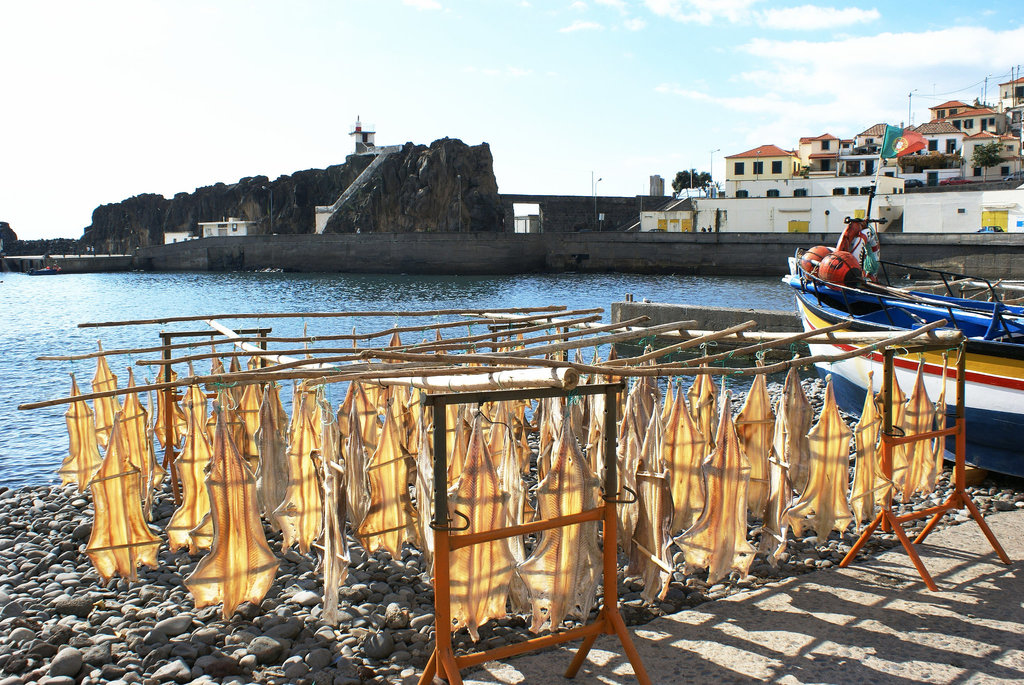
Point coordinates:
[[105, 407], [458, 433], [703, 411], [630, 440], [938, 445], [247, 415], [425, 495], [869, 483], [899, 452], [755, 427], [178, 422], [595, 433], [683, 452], [824, 496], [502, 446], [120, 539], [300, 515], [649, 557], [563, 571], [390, 519], [718, 540], [240, 566], [83, 452], [191, 464], [480, 574], [775, 520], [336, 556], [791, 446], [272, 445], [919, 456], [140, 446], [357, 484]]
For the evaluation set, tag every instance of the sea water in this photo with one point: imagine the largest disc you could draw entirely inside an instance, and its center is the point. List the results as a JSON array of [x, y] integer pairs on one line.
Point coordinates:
[[40, 316]]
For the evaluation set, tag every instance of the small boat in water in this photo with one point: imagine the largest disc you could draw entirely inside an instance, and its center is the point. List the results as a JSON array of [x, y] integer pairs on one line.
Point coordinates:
[[995, 349], [44, 271]]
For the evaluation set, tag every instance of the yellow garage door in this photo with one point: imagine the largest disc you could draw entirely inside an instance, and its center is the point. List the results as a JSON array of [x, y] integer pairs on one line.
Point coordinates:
[[996, 218], [799, 226]]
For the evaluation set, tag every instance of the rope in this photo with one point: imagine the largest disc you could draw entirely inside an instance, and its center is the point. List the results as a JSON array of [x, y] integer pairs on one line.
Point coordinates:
[[573, 397]]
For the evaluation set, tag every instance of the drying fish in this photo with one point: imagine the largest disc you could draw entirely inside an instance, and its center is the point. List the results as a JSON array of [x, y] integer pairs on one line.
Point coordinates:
[[480, 574], [703, 410], [120, 539], [775, 520], [683, 452], [501, 445], [791, 445], [357, 485], [424, 495], [898, 453], [870, 486], [336, 556], [191, 464], [630, 441], [595, 433], [563, 571], [390, 519], [755, 427], [824, 496], [938, 445], [105, 407], [271, 443], [240, 566], [649, 557], [457, 432], [919, 456], [140, 446], [247, 415], [83, 452], [718, 540], [365, 418], [178, 421], [300, 515]]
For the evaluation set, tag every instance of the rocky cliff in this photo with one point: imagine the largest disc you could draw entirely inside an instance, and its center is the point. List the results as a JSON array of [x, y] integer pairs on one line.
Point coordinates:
[[446, 186], [7, 234], [414, 189]]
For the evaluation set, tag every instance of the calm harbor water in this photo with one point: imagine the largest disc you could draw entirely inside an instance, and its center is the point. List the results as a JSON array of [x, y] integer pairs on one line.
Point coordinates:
[[39, 316]]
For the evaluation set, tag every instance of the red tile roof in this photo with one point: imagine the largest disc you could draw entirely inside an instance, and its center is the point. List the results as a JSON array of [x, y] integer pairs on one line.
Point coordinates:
[[973, 112], [989, 134], [876, 130], [951, 103], [938, 126], [823, 155], [765, 151], [823, 136], [1016, 80]]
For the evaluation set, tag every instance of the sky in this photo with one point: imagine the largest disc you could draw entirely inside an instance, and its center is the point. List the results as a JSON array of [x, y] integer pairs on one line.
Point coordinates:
[[104, 100]]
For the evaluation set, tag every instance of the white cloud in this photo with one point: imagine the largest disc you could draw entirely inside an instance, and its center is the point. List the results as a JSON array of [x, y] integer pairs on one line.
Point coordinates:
[[580, 25], [812, 17], [702, 12], [579, 6], [422, 4], [617, 4], [635, 24]]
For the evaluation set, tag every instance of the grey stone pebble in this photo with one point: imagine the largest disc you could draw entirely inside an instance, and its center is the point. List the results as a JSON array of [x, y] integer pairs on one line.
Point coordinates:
[[267, 650], [67, 662], [305, 598], [378, 645], [21, 634], [318, 659], [176, 670]]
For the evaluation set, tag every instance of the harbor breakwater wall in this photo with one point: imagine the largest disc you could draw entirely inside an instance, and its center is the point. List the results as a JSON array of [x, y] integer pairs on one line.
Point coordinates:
[[723, 254]]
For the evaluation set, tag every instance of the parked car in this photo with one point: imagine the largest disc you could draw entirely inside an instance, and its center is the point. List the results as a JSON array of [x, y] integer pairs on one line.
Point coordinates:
[[955, 181], [1015, 176], [913, 183], [991, 229]]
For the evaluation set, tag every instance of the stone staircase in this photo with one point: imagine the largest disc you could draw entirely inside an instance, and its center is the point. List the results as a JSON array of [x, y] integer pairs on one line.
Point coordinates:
[[323, 214]]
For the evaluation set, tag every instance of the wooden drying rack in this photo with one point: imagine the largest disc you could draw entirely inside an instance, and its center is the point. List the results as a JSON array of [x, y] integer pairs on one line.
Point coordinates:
[[959, 498], [443, 661]]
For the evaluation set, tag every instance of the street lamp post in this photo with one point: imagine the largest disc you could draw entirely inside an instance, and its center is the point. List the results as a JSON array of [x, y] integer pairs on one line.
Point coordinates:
[[270, 192], [458, 179], [711, 166], [910, 99], [593, 189]]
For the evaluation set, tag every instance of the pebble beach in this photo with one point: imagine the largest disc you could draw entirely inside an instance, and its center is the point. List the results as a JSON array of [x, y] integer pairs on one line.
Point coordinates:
[[60, 626]]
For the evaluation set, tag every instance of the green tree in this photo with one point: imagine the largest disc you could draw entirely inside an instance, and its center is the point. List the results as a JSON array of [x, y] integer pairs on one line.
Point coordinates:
[[690, 179], [987, 155]]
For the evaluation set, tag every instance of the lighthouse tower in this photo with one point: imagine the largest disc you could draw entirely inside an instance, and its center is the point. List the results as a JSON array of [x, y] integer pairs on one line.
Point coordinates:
[[363, 135]]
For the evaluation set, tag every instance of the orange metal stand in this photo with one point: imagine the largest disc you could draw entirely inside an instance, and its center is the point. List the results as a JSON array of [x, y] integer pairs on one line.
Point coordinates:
[[443, 662], [957, 499]]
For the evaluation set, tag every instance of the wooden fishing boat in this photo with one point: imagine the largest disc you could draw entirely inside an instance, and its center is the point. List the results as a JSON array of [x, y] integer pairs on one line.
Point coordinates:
[[44, 271], [995, 351]]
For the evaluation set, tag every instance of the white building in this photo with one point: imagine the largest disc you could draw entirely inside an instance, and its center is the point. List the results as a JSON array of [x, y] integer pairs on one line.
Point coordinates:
[[965, 211], [230, 227], [177, 236]]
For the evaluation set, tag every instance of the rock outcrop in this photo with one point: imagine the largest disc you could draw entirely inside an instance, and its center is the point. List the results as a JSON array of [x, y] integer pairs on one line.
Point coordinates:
[[7, 234], [418, 190], [414, 189]]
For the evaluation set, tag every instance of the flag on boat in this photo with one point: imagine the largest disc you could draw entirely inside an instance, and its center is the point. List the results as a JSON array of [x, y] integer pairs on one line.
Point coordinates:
[[899, 142]]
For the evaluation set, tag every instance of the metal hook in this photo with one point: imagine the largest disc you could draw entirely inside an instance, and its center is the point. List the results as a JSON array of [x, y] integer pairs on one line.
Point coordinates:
[[615, 499], [447, 524]]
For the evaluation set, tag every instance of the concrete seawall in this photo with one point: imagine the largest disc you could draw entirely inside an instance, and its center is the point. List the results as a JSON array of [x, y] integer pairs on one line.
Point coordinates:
[[723, 254]]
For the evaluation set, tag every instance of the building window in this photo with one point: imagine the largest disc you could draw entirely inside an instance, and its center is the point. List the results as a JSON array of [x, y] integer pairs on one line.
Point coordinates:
[[758, 167], [851, 191], [774, 192], [933, 146], [826, 165], [940, 114], [977, 171], [777, 167], [825, 144], [865, 190], [738, 168], [870, 141], [838, 191], [957, 124], [968, 123], [950, 147], [741, 193], [961, 210], [800, 192], [1004, 171]]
